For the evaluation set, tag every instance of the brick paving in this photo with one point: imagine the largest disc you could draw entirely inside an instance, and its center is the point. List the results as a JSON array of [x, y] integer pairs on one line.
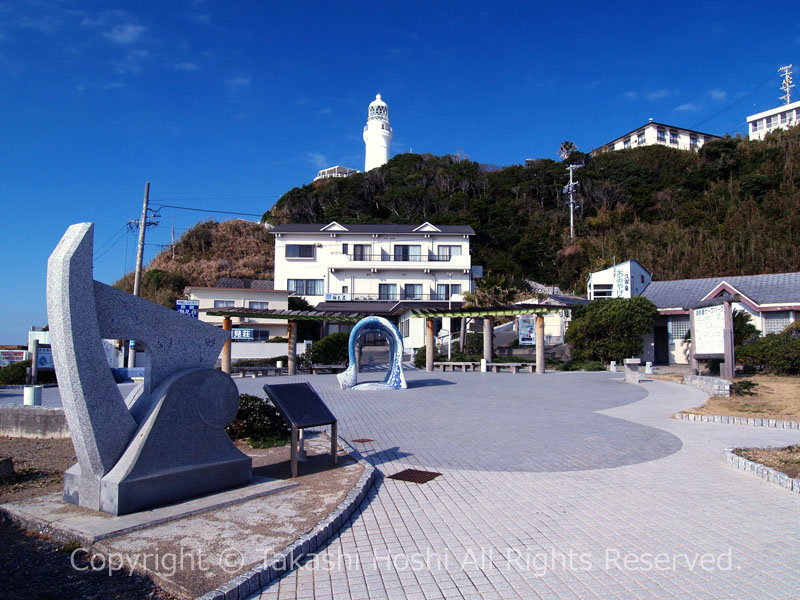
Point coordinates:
[[568, 485]]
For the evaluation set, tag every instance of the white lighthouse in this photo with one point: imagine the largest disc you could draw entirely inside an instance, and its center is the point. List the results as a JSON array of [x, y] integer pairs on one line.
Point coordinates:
[[377, 134]]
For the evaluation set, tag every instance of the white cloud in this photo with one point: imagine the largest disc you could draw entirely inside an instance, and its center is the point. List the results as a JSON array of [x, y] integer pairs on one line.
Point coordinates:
[[718, 95], [630, 96], [658, 94], [126, 33], [186, 66], [320, 161], [325, 111], [688, 107], [239, 82]]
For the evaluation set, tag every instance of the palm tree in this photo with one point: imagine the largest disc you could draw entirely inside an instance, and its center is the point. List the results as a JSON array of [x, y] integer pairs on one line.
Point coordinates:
[[566, 149]]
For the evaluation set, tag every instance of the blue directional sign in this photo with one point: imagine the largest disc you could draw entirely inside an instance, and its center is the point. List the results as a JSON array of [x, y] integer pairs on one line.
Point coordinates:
[[187, 307], [241, 334]]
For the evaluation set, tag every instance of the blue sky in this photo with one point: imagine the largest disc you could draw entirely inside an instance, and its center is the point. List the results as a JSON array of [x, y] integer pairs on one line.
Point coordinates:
[[226, 106]]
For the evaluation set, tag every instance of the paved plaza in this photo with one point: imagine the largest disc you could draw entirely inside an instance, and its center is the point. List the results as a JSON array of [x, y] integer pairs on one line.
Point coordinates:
[[567, 485]]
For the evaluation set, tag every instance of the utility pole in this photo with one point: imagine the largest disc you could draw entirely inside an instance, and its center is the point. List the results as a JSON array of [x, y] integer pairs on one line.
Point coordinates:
[[787, 85], [570, 189], [137, 278]]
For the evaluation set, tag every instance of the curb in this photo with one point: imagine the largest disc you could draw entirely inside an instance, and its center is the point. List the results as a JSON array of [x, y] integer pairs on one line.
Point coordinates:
[[766, 473], [776, 423], [291, 557]]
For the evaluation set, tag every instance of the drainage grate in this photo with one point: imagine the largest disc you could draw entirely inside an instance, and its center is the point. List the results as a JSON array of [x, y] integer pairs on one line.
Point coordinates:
[[363, 440], [415, 476]]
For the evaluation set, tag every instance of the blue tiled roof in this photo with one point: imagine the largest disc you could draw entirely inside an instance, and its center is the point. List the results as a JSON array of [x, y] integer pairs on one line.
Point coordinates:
[[762, 289]]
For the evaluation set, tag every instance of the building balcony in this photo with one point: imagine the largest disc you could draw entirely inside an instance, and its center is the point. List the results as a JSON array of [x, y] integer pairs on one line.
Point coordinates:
[[391, 261], [396, 297]]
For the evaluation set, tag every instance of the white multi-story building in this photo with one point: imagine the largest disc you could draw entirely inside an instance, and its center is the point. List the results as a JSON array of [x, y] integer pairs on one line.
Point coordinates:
[[377, 134], [781, 117], [652, 134], [385, 270], [337, 262]]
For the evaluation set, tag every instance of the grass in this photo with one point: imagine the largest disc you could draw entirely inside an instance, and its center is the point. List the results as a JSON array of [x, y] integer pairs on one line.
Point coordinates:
[[773, 397], [267, 441], [786, 460]]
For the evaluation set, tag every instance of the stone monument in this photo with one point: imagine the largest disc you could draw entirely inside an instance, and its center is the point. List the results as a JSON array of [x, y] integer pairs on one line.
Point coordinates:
[[394, 377], [166, 441]]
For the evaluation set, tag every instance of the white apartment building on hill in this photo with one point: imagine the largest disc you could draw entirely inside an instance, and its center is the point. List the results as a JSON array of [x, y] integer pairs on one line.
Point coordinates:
[[652, 134], [781, 117], [345, 263]]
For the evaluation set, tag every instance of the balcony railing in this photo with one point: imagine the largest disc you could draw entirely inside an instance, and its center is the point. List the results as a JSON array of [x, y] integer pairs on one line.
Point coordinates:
[[379, 257], [403, 296]]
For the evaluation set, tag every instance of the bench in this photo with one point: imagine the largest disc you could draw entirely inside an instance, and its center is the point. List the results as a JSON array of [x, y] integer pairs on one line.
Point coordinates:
[[317, 369], [464, 366], [258, 371], [513, 367]]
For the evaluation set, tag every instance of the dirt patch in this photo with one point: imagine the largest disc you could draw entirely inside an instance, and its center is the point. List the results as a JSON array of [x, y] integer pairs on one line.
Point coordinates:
[[786, 460], [39, 464], [774, 398]]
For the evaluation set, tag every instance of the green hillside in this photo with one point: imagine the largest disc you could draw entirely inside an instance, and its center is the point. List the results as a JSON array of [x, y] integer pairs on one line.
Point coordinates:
[[731, 208]]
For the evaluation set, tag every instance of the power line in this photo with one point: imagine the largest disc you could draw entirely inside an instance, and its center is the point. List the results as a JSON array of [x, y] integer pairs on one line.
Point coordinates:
[[206, 210], [732, 104], [258, 197]]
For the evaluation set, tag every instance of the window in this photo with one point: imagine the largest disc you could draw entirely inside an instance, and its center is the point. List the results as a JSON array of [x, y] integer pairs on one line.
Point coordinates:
[[611, 147], [344, 249], [693, 141], [404, 327], [260, 335], [361, 252], [299, 250], [445, 253], [412, 291], [754, 126], [406, 253], [640, 137], [678, 325], [602, 290], [626, 143], [305, 287], [387, 291], [224, 303], [785, 118], [673, 136], [661, 135], [445, 291], [768, 122], [775, 322], [345, 289], [258, 305]]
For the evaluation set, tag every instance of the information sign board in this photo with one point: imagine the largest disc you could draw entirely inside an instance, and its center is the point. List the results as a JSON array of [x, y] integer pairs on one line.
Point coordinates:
[[241, 334], [187, 307], [709, 331], [527, 330]]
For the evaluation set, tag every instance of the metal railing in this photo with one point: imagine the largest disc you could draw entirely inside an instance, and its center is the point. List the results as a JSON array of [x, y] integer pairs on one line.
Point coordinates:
[[380, 257]]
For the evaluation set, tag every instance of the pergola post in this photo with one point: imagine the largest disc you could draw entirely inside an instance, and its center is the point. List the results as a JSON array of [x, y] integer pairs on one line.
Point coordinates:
[[226, 349], [429, 345], [292, 352], [488, 331], [540, 344]]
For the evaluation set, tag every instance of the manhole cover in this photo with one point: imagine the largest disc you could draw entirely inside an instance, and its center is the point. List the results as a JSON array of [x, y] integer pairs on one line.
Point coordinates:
[[363, 440], [415, 476]]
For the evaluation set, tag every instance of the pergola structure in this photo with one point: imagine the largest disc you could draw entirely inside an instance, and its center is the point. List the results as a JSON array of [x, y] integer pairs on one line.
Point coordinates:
[[487, 313], [292, 316]]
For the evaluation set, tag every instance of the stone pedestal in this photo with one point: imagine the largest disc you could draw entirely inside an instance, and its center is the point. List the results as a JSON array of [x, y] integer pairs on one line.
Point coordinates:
[[632, 370]]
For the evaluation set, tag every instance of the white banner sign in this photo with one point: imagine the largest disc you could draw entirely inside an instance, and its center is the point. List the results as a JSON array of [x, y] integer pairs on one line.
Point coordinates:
[[709, 330]]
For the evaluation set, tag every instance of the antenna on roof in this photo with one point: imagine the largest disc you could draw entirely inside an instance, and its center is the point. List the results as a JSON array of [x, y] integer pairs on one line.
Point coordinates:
[[787, 85]]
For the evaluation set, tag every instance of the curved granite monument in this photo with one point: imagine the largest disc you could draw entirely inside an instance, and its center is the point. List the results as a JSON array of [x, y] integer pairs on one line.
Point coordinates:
[[394, 377], [166, 441]]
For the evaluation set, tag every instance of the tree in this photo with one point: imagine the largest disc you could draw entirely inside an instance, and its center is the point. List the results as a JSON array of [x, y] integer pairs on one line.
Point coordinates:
[[610, 329], [566, 149]]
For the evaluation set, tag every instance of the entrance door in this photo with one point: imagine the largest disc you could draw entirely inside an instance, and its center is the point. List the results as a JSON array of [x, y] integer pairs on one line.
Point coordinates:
[[661, 345]]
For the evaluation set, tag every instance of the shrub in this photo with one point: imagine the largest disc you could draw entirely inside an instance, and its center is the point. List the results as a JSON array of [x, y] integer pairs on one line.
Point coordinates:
[[331, 350], [583, 365], [14, 374], [258, 420], [610, 329], [473, 344], [777, 353], [421, 355]]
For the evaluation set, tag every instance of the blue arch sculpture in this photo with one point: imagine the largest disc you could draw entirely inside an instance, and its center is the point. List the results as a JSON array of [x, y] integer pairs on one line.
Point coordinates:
[[394, 378]]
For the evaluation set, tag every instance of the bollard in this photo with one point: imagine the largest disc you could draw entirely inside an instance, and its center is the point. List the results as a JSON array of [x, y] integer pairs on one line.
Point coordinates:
[[483, 365], [279, 364], [632, 370], [613, 366], [648, 368], [32, 395]]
